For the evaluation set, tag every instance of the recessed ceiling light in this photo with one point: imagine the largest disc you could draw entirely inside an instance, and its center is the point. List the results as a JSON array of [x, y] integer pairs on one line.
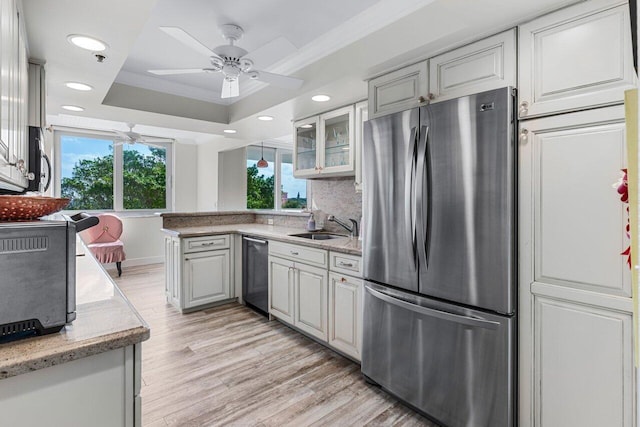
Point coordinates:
[[78, 86], [306, 126], [265, 118], [320, 98], [86, 42], [229, 131], [72, 108]]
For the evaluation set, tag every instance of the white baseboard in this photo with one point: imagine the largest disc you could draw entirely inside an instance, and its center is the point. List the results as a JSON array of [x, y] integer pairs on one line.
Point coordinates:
[[133, 262]]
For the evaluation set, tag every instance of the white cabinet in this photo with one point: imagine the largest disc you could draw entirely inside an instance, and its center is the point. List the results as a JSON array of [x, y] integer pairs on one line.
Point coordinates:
[[198, 271], [207, 278], [324, 145], [104, 389], [578, 218], [281, 288], [345, 314], [576, 58], [583, 374], [484, 65], [399, 90], [575, 310], [311, 288], [362, 115], [13, 98], [298, 286], [298, 295]]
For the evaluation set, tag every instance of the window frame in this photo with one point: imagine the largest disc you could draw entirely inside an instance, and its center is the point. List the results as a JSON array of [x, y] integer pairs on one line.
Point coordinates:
[[118, 169], [277, 171]]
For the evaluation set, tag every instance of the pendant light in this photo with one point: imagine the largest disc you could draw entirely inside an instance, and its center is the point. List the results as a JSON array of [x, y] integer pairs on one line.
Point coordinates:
[[262, 163]]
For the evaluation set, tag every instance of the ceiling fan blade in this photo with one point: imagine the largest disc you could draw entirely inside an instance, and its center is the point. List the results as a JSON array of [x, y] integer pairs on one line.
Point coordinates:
[[122, 134], [177, 71], [230, 88], [279, 80], [189, 41]]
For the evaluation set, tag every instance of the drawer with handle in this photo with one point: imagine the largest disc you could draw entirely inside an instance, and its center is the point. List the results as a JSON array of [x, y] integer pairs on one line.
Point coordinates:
[[317, 257], [346, 264], [207, 243]]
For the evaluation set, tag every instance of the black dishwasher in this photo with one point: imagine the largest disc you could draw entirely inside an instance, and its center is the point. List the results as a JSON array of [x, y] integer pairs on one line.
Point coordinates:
[[255, 273]]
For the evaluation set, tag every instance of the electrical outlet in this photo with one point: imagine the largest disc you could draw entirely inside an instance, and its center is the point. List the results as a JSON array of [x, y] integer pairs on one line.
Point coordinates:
[[270, 221]]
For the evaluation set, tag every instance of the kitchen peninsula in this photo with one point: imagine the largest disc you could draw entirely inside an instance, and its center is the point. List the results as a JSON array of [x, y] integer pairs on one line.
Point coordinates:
[[89, 372]]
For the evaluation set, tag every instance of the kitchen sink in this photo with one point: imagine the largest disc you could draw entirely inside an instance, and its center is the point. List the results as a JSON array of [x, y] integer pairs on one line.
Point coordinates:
[[319, 236]]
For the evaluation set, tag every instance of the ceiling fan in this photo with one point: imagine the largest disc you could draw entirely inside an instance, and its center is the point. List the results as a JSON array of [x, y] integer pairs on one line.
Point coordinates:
[[227, 59], [132, 137]]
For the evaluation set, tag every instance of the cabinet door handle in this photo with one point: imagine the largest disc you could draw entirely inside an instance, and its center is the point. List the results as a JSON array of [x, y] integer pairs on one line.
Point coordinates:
[[345, 264], [208, 244], [524, 107], [524, 135], [294, 253], [342, 279]]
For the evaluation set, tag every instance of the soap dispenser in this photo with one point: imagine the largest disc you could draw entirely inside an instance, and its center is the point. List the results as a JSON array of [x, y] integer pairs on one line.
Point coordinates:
[[311, 224]]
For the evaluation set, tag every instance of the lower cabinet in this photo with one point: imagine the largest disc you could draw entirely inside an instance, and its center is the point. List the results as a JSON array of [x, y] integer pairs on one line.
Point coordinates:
[[323, 302], [311, 300], [345, 314], [583, 370], [102, 390], [198, 271], [281, 288], [298, 295], [206, 277]]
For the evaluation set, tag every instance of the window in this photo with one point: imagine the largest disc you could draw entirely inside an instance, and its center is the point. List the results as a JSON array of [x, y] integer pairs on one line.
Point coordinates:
[[97, 174], [273, 187]]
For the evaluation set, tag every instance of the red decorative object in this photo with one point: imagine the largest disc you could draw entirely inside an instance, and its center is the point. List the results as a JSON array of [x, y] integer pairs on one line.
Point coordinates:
[[14, 208], [622, 187]]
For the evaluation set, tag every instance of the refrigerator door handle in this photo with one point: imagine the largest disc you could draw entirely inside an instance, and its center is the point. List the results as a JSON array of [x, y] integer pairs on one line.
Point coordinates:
[[432, 312], [409, 199], [422, 192]]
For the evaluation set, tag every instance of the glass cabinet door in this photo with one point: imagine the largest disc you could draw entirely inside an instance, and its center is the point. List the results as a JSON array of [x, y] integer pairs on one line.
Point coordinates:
[[338, 141], [306, 148]]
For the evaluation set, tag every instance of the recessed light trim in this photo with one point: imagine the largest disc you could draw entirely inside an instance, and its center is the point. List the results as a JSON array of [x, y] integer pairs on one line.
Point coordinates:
[[78, 86], [87, 42], [73, 108], [320, 98], [306, 126], [229, 131], [265, 118]]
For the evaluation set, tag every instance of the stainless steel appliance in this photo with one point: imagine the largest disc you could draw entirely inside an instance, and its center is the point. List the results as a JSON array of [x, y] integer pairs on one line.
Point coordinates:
[[255, 273], [38, 279], [439, 258]]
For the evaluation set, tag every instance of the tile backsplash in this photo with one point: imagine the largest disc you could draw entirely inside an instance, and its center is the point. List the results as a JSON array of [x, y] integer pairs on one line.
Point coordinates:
[[338, 197]]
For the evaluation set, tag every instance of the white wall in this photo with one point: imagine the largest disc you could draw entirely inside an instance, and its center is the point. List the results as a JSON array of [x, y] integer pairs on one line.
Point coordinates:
[[207, 188], [185, 176], [232, 180], [143, 240]]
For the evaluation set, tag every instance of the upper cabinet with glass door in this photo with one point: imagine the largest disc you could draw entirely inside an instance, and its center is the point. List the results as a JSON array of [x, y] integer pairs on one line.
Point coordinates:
[[324, 145]]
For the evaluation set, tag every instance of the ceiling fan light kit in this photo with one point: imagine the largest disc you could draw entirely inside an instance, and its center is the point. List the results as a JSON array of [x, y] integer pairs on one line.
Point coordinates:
[[227, 59]]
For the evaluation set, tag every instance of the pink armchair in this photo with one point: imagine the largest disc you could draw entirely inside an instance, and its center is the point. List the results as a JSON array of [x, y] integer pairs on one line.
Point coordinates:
[[103, 241]]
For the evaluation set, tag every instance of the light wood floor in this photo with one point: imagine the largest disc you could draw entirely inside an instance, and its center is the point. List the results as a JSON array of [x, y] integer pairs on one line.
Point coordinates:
[[230, 366]]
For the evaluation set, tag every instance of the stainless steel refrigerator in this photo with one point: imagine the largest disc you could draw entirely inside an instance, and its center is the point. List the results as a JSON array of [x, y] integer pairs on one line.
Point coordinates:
[[439, 258]]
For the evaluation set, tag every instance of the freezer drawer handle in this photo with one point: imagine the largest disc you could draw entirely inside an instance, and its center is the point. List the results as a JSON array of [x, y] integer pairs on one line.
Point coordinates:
[[470, 321], [262, 242]]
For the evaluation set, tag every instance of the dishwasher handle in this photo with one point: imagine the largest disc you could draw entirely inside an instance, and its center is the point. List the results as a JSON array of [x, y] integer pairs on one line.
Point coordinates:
[[251, 239]]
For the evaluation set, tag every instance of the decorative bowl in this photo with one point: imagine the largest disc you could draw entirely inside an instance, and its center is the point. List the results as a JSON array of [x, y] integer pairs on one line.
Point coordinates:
[[14, 208]]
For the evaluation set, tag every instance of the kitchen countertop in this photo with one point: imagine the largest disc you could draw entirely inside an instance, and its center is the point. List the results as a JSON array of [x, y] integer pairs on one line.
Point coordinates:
[[345, 245], [105, 321]]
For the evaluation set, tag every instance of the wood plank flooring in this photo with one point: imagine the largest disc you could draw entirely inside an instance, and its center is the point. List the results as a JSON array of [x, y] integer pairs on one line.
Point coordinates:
[[230, 366]]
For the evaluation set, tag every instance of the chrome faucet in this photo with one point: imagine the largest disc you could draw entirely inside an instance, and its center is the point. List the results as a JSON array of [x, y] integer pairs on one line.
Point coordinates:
[[353, 230]]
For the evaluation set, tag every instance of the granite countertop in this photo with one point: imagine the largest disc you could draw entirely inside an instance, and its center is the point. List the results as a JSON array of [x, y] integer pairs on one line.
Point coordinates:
[[345, 245], [105, 321]]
